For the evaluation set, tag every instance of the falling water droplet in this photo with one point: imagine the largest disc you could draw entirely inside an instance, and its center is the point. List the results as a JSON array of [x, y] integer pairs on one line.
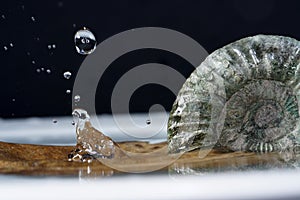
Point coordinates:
[[33, 62], [77, 98], [54, 121], [48, 71], [32, 19], [38, 70], [53, 46], [49, 46], [5, 48], [3, 16], [67, 75], [42, 69], [85, 41], [68, 91], [13, 100], [11, 44], [148, 121]]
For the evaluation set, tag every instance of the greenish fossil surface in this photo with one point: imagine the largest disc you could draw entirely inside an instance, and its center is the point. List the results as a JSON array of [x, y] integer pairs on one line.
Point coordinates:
[[243, 97]]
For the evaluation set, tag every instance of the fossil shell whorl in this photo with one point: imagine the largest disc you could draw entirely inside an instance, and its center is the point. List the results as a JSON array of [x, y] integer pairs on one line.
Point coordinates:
[[243, 97]]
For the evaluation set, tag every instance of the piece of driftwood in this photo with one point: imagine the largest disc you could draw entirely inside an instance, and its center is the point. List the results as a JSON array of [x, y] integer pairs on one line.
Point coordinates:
[[26, 159]]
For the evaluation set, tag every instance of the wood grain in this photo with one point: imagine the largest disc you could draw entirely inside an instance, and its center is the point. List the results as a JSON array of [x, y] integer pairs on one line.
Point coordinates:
[[39, 160]]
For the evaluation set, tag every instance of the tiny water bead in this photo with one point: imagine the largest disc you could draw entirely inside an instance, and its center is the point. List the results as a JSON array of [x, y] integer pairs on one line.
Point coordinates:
[[5, 48], [3, 16], [85, 41], [38, 70], [68, 91], [48, 71], [51, 46], [11, 44], [148, 122], [77, 98], [32, 19], [67, 75]]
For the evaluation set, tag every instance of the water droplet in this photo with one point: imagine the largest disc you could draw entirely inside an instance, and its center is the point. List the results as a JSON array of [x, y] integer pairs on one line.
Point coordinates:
[[33, 62], [49, 46], [53, 46], [68, 91], [13, 100], [38, 70], [48, 71], [11, 44], [67, 75], [54, 121], [77, 98], [73, 123], [5, 48], [3, 16], [148, 121], [85, 41], [42, 68], [32, 19]]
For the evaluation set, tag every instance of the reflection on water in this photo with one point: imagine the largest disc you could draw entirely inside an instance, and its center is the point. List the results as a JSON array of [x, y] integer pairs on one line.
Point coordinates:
[[87, 173], [236, 162]]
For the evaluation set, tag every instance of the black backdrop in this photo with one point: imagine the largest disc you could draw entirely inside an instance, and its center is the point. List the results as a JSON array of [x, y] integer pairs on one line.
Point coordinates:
[[24, 92]]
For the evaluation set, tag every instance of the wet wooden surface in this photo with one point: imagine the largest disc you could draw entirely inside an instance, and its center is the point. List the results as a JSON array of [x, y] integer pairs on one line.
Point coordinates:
[[25, 159]]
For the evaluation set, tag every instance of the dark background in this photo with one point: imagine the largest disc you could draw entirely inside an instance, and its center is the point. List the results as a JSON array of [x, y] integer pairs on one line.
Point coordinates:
[[24, 92]]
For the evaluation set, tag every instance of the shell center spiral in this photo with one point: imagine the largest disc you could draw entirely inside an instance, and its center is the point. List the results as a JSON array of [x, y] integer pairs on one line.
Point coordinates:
[[268, 115]]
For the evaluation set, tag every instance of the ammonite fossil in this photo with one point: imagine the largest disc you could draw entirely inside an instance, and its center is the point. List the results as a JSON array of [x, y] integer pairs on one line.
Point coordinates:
[[243, 97]]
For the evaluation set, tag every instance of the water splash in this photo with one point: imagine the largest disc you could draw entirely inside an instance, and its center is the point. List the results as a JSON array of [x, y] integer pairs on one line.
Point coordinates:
[[93, 144]]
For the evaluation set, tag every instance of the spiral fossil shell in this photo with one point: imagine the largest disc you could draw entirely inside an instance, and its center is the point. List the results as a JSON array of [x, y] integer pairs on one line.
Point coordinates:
[[243, 97]]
